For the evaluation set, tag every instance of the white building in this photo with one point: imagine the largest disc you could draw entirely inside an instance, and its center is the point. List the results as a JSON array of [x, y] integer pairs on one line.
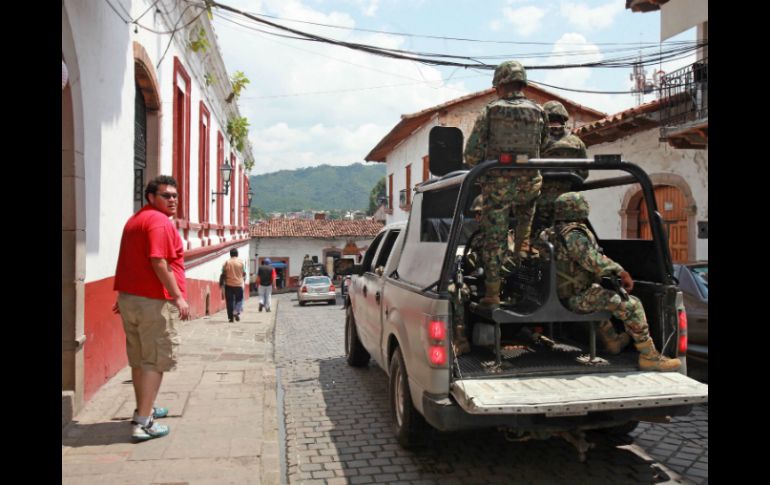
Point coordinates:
[[287, 241], [405, 148], [138, 103]]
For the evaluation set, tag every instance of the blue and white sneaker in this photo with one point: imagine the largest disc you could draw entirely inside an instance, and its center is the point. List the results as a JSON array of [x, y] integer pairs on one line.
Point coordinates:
[[156, 413], [150, 431]]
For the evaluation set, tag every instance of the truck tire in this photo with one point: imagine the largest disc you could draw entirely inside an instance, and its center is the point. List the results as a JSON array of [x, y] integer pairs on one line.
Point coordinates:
[[408, 424], [356, 354], [621, 429]]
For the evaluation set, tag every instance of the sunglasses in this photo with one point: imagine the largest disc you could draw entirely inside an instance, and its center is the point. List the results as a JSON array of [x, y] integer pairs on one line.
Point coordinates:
[[167, 196]]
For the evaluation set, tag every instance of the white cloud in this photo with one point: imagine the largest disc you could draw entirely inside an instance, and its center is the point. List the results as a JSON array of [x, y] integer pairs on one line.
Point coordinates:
[[335, 128], [589, 19], [526, 20], [574, 48]]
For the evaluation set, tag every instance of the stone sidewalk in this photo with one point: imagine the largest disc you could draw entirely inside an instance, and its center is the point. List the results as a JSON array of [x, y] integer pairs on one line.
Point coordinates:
[[222, 414]]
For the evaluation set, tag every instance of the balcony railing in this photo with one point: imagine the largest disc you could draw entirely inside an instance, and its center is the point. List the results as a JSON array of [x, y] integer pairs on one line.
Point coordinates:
[[684, 98]]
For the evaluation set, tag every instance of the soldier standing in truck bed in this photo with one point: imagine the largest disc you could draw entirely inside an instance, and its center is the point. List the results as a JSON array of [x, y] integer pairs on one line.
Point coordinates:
[[516, 127]]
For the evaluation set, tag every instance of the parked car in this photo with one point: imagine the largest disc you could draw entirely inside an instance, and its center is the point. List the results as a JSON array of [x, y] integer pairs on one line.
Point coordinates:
[[694, 283], [316, 288]]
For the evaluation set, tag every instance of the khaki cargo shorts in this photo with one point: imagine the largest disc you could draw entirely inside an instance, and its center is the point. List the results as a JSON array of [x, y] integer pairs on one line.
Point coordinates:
[[150, 326]]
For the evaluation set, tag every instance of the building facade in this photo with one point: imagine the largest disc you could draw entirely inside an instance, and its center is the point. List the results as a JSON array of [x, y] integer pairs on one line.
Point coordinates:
[[136, 103], [405, 148]]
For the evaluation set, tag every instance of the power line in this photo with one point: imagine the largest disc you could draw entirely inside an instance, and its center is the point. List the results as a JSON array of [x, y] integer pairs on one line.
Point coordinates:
[[116, 11], [438, 59]]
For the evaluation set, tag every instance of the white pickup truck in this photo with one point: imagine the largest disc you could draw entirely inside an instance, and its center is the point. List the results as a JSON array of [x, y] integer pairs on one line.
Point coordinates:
[[399, 313]]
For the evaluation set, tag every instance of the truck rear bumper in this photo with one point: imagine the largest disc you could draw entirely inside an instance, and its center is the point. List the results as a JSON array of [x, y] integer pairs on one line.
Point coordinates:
[[444, 414]]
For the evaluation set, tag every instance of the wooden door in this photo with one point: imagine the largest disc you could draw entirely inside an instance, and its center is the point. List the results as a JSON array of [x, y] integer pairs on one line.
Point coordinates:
[[671, 205]]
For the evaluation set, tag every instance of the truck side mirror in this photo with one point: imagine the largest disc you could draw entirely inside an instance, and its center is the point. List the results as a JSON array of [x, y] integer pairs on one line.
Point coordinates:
[[445, 150]]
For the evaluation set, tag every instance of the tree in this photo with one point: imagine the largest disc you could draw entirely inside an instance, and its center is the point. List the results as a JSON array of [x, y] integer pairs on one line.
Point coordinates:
[[378, 192]]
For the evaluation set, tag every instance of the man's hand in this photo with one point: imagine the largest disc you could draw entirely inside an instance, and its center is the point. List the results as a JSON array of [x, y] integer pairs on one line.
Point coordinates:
[[626, 281], [184, 308], [116, 308]]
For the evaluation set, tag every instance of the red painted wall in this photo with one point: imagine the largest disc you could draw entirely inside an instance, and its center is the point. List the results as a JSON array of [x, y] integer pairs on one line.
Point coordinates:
[[105, 348]]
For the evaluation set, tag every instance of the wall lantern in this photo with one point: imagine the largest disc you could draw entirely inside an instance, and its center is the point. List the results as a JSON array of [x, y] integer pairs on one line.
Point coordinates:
[[227, 171], [251, 197]]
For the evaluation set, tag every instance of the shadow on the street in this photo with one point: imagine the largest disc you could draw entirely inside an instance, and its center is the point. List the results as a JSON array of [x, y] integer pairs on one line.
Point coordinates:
[[358, 423], [95, 434]]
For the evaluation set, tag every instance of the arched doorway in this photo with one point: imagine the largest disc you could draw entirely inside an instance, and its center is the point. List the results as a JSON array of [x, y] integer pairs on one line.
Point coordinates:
[[672, 207]]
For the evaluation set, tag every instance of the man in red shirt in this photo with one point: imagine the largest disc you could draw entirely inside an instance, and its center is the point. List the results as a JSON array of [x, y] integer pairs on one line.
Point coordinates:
[[152, 298]]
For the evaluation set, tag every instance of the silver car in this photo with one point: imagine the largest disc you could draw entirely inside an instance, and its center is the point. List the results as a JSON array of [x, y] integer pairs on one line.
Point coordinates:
[[316, 288]]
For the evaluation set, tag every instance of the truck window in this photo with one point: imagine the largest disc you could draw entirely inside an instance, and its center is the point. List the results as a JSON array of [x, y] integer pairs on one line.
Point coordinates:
[[437, 212], [420, 262], [369, 256], [387, 248]]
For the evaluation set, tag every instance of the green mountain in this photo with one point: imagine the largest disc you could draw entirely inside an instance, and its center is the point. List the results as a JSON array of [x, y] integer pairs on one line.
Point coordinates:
[[325, 187]]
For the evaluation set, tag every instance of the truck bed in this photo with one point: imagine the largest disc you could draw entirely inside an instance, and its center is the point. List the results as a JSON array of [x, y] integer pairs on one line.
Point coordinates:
[[528, 360]]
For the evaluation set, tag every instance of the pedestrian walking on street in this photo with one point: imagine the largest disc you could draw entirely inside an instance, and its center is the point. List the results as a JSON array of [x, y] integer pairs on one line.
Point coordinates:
[[266, 281], [234, 272], [152, 298]]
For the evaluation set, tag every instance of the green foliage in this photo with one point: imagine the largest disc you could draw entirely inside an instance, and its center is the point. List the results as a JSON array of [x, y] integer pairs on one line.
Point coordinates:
[[238, 131], [210, 79], [239, 82], [377, 192], [200, 42], [324, 187], [257, 214], [249, 164]]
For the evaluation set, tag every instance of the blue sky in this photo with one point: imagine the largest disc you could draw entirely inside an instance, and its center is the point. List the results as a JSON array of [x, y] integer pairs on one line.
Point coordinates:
[[310, 103]]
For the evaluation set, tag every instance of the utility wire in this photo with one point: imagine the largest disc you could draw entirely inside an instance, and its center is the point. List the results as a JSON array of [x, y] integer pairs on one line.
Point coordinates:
[[441, 59], [116, 11]]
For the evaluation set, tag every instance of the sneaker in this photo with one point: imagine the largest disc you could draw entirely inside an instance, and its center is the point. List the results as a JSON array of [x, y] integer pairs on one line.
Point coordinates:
[[237, 317], [150, 431], [261, 306], [230, 320], [268, 310], [156, 413]]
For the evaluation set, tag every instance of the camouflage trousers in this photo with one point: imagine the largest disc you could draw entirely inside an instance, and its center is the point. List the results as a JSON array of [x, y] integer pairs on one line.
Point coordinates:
[[458, 298], [501, 191], [548, 193], [631, 312]]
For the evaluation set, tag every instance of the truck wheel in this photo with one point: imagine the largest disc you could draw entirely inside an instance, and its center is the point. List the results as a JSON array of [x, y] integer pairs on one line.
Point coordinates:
[[356, 354], [408, 423], [621, 429]]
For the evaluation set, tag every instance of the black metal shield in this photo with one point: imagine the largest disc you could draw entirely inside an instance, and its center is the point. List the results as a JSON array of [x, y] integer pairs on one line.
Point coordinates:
[[445, 150]]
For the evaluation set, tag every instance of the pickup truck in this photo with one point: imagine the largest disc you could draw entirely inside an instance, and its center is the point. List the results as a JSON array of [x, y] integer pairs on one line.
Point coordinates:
[[399, 313]]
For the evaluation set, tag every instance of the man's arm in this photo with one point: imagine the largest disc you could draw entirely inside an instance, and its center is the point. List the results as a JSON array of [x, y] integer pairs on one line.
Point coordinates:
[[274, 277], [476, 147], [586, 254], [166, 277]]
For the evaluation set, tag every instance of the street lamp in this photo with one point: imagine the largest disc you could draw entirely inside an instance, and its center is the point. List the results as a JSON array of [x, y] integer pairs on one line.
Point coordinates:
[[226, 170]]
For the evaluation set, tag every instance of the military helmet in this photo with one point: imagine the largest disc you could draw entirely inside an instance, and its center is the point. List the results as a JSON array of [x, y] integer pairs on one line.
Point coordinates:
[[571, 206], [555, 108], [478, 203], [508, 72]]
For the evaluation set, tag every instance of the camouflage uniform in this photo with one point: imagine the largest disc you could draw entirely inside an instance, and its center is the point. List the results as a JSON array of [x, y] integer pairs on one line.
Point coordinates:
[[560, 144], [580, 265], [515, 125]]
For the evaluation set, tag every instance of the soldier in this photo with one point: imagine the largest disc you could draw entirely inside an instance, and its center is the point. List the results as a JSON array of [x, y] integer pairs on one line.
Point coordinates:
[[516, 126], [561, 144], [580, 265]]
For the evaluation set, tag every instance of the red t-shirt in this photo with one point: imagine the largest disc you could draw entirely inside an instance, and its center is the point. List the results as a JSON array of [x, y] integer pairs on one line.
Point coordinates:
[[149, 234]]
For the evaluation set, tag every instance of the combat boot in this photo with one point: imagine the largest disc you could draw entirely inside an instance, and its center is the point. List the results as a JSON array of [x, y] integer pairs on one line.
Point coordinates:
[[491, 295], [651, 359], [613, 342]]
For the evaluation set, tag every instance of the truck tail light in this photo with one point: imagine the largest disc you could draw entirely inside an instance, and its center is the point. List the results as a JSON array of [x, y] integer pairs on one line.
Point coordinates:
[[435, 340], [304, 289], [682, 332], [505, 158]]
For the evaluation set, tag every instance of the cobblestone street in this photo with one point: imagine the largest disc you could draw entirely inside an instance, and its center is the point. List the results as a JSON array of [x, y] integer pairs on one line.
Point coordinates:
[[338, 428]]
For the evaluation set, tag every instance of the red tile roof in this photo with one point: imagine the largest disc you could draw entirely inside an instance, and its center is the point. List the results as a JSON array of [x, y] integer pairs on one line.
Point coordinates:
[[322, 229], [620, 124]]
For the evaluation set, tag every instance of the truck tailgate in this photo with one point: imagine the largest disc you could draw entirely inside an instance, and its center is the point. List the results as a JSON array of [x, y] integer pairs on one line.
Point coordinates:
[[577, 395]]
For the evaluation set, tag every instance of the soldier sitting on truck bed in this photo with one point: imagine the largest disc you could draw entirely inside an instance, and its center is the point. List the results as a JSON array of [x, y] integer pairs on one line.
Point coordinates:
[[580, 265]]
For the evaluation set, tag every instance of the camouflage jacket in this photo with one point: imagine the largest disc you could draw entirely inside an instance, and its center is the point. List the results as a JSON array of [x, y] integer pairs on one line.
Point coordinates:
[[579, 259], [568, 146], [476, 150]]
